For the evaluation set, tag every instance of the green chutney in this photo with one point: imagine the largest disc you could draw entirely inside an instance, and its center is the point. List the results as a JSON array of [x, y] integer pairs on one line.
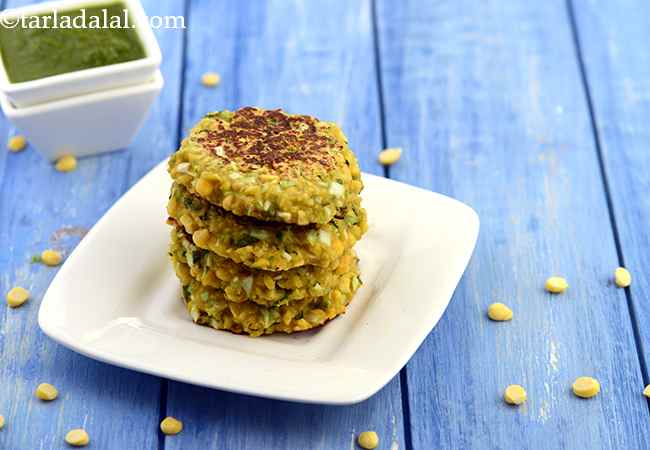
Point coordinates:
[[60, 42]]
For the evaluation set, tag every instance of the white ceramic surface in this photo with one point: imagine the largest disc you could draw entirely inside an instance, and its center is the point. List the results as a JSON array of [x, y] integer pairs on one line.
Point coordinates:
[[56, 87], [117, 300], [86, 124]]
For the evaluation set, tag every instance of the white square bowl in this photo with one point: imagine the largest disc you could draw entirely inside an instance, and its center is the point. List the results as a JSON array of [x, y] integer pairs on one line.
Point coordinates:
[[81, 82], [116, 299], [86, 124]]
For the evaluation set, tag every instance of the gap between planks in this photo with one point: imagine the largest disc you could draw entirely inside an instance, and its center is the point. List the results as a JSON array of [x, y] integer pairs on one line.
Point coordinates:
[[577, 44], [403, 378], [164, 382]]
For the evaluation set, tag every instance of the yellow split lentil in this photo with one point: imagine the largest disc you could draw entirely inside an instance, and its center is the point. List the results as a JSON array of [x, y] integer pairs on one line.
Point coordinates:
[[17, 296], [66, 163], [499, 312], [368, 440], [2, 421], [515, 395], [586, 387], [77, 437], [646, 391], [556, 285], [390, 156], [46, 392], [210, 79], [51, 257], [622, 277], [16, 143], [171, 425]]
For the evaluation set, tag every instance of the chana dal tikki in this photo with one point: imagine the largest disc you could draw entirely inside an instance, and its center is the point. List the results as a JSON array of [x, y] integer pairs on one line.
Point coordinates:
[[265, 209]]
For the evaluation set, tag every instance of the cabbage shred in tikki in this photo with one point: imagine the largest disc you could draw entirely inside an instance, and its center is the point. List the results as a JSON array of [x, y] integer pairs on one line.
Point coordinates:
[[267, 245], [269, 165], [265, 210]]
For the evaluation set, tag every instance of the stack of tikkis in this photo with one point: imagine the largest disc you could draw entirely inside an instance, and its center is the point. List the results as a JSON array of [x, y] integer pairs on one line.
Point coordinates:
[[265, 210]]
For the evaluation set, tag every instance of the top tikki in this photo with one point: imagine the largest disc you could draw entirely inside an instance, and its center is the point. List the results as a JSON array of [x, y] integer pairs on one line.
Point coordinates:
[[269, 165]]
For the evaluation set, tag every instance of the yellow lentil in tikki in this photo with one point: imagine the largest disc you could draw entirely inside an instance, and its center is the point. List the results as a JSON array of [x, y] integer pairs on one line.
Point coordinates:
[[265, 211]]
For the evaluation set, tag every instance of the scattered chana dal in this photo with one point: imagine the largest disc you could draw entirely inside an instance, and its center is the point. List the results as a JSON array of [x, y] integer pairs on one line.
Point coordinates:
[[515, 395], [51, 257], [586, 387], [77, 437], [210, 79], [499, 312], [368, 440], [66, 163], [556, 285], [622, 277], [646, 391], [16, 143], [2, 421], [171, 425], [46, 392], [390, 156], [17, 296]]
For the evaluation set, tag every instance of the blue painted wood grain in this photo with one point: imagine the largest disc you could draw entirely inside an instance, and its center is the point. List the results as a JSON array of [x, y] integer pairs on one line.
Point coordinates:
[[486, 99], [613, 38], [293, 55], [290, 55], [42, 208]]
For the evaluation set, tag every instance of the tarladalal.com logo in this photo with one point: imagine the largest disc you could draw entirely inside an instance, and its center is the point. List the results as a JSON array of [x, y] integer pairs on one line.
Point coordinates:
[[80, 19]]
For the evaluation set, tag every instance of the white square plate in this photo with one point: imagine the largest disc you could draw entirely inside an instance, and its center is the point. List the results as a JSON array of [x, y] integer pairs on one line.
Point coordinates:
[[117, 300]]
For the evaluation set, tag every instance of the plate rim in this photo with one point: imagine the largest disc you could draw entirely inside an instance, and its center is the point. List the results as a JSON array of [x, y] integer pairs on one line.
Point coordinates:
[[334, 397]]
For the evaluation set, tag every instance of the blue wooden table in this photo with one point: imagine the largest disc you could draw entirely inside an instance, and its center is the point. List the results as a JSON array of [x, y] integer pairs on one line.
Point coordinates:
[[533, 112]]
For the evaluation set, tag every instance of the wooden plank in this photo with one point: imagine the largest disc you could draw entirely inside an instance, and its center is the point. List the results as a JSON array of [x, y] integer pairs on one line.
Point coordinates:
[[293, 55], [287, 55], [42, 208], [487, 101], [617, 70]]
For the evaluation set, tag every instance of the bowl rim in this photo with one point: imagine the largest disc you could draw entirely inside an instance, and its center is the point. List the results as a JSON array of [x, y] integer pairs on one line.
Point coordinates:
[[153, 55], [11, 111]]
